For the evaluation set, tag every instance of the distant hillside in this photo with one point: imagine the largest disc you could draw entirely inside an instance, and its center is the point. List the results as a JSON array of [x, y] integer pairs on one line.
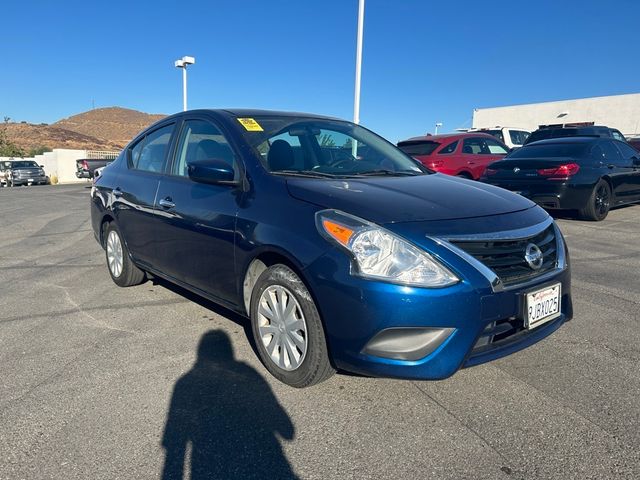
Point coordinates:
[[28, 136], [114, 124]]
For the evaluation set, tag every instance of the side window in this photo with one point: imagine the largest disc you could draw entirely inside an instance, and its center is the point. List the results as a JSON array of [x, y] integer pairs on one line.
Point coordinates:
[[495, 148], [149, 154], [617, 135], [611, 154], [518, 137], [449, 148], [201, 140], [627, 151], [474, 145]]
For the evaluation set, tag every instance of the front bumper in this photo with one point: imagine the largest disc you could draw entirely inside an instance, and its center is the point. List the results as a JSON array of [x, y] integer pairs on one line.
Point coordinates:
[[33, 180], [355, 310]]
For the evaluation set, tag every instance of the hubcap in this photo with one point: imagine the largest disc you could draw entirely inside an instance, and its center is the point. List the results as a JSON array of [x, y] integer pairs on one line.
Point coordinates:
[[282, 328], [114, 253], [602, 200]]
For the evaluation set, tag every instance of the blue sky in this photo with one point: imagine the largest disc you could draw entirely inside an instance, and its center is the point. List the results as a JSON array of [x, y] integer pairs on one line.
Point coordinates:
[[423, 61]]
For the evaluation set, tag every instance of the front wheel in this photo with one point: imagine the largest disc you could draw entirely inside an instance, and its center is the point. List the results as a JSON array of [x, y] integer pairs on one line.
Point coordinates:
[[599, 203], [287, 329], [122, 270]]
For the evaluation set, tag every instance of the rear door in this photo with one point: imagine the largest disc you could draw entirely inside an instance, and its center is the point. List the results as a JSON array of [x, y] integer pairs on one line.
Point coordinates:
[[135, 191], [196, 225], [617, 169], [630, 156]]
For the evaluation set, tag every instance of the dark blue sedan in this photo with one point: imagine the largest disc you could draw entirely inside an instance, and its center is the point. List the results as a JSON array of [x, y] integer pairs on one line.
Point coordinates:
[[343, 252]]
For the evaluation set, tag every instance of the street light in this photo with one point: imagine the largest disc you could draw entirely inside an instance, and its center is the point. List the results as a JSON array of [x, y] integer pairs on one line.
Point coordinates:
[[356, 96], [182, 63], [438, 124]]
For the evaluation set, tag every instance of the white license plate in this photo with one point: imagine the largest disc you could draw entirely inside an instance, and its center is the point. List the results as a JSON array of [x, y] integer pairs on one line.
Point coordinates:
[[30, 180], [542, 306]]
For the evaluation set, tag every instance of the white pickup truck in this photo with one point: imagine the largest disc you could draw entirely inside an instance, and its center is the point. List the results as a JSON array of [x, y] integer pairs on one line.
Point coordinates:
[[512, 137]]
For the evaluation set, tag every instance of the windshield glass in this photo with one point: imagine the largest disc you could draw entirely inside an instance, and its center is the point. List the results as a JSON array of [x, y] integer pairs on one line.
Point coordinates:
[[324, 148], [418, 147], [23, 164], [551, 150]]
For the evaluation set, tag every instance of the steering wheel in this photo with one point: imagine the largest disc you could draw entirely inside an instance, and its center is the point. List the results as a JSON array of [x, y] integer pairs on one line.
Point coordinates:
[[341, 160]]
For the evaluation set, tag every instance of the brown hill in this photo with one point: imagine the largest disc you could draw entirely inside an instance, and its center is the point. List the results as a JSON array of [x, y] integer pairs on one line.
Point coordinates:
[[28, 136], [113, 124]]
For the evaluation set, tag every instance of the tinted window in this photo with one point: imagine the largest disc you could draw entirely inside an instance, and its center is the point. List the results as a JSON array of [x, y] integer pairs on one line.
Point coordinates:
[[495, 133], [573, 150], [201, 140], [617, 135], [611, 154], [482, 146], [149, 154], [627, 150], [518, 137], [449, 148], [418, 148]]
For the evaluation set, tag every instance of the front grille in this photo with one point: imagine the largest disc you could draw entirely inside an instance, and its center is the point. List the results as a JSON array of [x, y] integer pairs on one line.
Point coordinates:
[[507, 257]]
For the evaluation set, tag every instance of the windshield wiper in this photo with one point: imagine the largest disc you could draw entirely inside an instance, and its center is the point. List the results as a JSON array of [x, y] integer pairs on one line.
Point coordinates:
[[305, 173], [381, 172]]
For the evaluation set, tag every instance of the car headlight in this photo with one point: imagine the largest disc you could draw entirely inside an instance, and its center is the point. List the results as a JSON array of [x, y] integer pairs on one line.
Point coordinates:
[[381, 255]]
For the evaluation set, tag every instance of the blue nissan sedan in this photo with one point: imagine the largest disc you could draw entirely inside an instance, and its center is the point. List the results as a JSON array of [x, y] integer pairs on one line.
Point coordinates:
[[343, 252]]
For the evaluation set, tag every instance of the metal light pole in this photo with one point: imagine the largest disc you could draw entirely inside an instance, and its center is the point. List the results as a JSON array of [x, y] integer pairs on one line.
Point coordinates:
[[356, 96], [182, 63], [438, 124]]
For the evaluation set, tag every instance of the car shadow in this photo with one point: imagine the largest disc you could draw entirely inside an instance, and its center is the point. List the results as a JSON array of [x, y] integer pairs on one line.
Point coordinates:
[[224, 420]]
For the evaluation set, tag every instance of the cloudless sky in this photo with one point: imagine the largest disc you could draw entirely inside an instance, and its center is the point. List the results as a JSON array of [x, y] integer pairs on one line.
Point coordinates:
[[423, 61]]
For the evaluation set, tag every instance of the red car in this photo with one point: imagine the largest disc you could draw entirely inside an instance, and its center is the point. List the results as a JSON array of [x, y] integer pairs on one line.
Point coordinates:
[[462, 154]]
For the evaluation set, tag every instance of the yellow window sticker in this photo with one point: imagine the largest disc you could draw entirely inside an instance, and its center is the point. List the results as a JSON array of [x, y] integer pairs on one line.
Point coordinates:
[[250, 125]]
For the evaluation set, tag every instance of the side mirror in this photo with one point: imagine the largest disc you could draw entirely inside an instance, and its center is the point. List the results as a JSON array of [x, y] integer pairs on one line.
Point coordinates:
[[212, 171], [41, 166]]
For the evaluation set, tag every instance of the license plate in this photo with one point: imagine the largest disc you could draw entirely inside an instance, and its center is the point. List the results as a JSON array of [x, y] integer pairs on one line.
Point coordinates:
[[30, 180], [542, 306]]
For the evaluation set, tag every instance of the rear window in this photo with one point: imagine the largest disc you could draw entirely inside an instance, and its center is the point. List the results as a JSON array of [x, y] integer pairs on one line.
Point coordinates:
[[418, 148], [551, 150]]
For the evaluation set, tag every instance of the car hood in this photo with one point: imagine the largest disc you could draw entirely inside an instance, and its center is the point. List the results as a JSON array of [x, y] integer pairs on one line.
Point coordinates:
[[408, 199]]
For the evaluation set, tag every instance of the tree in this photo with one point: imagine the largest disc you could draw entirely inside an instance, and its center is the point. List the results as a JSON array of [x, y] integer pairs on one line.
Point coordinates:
[[7, 147], [326, 140]]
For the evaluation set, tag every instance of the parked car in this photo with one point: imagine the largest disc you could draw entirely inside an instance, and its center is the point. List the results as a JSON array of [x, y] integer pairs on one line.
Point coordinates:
[[86, 167], [634, 142], [462, 154], [343, 252], [22, 172], [510, 136], [546, 132], [588, 174]]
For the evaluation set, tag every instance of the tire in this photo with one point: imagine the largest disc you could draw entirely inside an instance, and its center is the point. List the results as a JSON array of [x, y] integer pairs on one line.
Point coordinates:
[[122, 270], [299, 356], [599, 203]]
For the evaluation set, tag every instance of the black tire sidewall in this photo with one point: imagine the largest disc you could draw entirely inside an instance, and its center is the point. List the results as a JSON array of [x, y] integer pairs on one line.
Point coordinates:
[[590, 211], [315, 367]]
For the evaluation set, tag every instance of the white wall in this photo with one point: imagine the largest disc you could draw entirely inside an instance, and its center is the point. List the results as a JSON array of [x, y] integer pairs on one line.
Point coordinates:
[[61, 162], [616, 111]]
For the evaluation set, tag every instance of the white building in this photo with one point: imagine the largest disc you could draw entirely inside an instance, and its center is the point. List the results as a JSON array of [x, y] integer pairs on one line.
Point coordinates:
[[615, 111], [61, 162]]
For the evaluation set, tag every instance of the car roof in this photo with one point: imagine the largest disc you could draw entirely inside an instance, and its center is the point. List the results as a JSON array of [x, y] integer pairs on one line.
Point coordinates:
[[447, 136], [251, 112]]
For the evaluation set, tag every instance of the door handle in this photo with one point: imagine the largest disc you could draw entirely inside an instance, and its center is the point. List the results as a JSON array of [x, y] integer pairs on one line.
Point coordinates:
[[117, 192], [166, 203], [611, 166]]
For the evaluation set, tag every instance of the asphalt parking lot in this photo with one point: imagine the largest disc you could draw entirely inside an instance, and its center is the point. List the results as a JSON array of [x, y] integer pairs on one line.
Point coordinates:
[[102, 382]]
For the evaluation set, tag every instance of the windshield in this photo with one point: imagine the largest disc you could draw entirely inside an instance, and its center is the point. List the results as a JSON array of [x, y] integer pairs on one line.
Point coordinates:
[[418, 147], [550, 150], [15, 164], [324, 148]]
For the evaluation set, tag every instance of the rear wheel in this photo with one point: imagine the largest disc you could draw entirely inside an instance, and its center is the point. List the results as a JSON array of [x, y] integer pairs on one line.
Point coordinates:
[[599, 203], [287, 329], [122, 270]]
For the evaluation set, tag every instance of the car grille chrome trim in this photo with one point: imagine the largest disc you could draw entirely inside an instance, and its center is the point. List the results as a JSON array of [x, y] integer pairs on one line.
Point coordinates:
[[499, 264]]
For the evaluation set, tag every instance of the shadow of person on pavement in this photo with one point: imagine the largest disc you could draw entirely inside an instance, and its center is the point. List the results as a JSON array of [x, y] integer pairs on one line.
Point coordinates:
[[227, 414]]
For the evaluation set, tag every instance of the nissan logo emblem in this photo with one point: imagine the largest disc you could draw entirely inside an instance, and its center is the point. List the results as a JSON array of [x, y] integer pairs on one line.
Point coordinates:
[[533, 256], [516, 170]]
